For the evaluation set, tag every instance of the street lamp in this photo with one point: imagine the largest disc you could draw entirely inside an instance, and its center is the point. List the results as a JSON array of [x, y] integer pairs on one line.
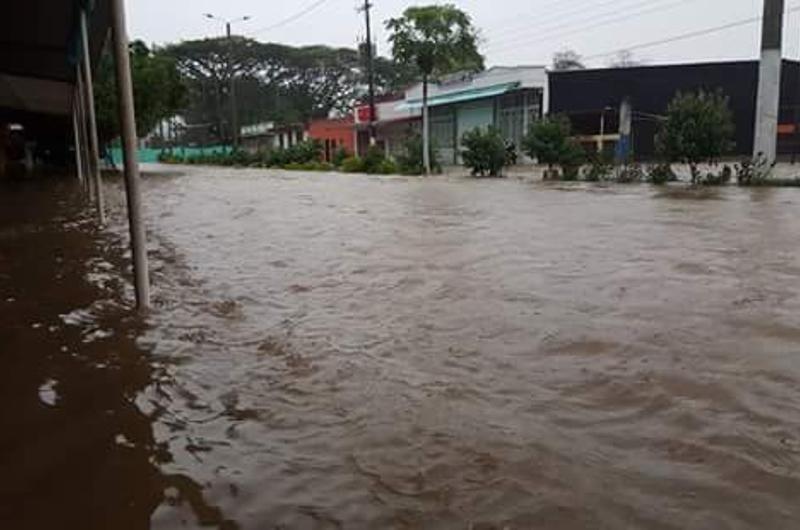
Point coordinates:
[[234, 109]]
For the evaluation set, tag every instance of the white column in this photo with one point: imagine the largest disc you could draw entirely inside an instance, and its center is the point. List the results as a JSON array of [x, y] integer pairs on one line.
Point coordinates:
[[769, 82], [94, 144], [127, 120]]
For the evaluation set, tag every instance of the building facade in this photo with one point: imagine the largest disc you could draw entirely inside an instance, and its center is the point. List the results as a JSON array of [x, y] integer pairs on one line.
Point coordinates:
[[333, 134], [507, 98], [595, 100]]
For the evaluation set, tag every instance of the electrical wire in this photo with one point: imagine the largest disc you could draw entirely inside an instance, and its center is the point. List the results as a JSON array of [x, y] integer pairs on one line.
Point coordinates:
[[292, 18], [545, 24], [685, 36], [551, 35]]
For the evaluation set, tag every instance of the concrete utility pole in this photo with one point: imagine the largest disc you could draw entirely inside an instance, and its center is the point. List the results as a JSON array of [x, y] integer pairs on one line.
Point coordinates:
[[232, 87], [769, 82], [370, 74]]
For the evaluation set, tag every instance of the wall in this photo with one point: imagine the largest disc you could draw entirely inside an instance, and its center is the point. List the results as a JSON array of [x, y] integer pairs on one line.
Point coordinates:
[[652, 88], [333, 134]]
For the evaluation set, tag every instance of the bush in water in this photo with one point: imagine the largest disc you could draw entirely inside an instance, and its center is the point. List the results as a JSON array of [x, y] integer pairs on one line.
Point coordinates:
[[411, 163], [484, 152]]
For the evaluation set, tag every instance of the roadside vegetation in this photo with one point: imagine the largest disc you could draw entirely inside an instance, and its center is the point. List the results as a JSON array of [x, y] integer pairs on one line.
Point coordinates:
[[307, 156]]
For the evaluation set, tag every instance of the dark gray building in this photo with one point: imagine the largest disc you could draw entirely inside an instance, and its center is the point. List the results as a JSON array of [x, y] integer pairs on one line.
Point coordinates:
[[592, 97]]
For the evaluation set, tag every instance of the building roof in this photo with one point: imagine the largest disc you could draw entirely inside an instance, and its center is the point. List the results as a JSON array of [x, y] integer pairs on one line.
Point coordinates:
[[39, 43], [463, 84]]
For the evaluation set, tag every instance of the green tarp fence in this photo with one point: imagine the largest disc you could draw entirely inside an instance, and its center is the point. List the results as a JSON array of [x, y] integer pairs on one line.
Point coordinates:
[[149, 155]]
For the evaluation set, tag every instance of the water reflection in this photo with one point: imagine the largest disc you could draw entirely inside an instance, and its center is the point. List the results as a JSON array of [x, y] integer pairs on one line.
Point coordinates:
[[76, 450]]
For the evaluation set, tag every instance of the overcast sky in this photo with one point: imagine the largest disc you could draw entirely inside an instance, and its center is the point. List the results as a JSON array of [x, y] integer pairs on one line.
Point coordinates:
[[514, 31]]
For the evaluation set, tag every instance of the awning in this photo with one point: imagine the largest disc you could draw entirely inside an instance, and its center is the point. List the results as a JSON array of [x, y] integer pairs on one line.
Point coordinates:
[[460, 96]]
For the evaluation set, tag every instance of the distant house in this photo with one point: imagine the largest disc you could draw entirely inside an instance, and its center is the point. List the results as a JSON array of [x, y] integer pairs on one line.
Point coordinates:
[[508, 98], [393, 124], [266, 136], [333, 134]]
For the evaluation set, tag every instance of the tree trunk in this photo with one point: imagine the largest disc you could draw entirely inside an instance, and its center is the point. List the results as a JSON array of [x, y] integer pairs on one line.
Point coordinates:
[[426, 129]]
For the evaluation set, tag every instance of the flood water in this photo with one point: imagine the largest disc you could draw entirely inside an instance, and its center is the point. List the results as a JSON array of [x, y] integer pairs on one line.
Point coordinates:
[[334, 351]]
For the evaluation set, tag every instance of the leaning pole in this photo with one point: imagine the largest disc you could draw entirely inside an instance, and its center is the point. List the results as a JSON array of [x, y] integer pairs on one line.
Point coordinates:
[[769, 82], [129, 149]]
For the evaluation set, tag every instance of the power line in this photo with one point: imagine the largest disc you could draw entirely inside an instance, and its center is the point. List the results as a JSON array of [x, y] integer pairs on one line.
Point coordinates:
[[550, 35], [690, 35], [545, 24], [288, 20]]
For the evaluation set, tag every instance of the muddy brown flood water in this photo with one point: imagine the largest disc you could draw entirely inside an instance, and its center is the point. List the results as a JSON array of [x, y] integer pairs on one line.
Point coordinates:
[[368, 353]]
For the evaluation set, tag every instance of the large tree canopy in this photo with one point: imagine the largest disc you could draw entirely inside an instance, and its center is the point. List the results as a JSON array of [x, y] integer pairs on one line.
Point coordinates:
[[275, 81]]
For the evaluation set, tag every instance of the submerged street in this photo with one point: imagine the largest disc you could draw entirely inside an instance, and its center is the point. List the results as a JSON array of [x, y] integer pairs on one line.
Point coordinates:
[[330, 351]]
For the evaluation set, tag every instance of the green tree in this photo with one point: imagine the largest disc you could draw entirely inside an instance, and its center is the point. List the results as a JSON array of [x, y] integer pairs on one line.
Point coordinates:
[[158, 91], [437, 40], [275, 82], [698, 129], [550, 142]]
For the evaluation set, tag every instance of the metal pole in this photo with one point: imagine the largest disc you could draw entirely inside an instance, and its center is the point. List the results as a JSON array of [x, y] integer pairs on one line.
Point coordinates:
[[234, 106], [88, 182], [370, 75], [769, 82], [76, 139], [94, 143], [127, 120]]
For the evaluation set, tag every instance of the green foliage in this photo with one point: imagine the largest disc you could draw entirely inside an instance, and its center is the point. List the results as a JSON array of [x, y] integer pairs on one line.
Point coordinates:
[[158, 90], [484, 152], [753, 172], [387, 167], [300, 153], [549, 142], [699, 128], [308, 166], [339, 156], [661, 174], [410, 162], [275, 82], [600, 168], [630, 173], [373, 160], [437, 39], [717, 179], [352, 164]]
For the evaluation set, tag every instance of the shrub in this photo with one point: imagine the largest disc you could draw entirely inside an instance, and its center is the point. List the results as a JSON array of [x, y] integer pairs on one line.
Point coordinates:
[[717, 179], [484, 152], [699, 128], [549, 142], [340, 156], [600, 168], [387, 167], [630, 173], [410, 162], [753, 172], [661, 174], [373, 160], [353, 164]]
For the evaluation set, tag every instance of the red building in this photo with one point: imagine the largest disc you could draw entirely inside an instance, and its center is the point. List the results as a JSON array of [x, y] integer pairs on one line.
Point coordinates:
[[333, 134]]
